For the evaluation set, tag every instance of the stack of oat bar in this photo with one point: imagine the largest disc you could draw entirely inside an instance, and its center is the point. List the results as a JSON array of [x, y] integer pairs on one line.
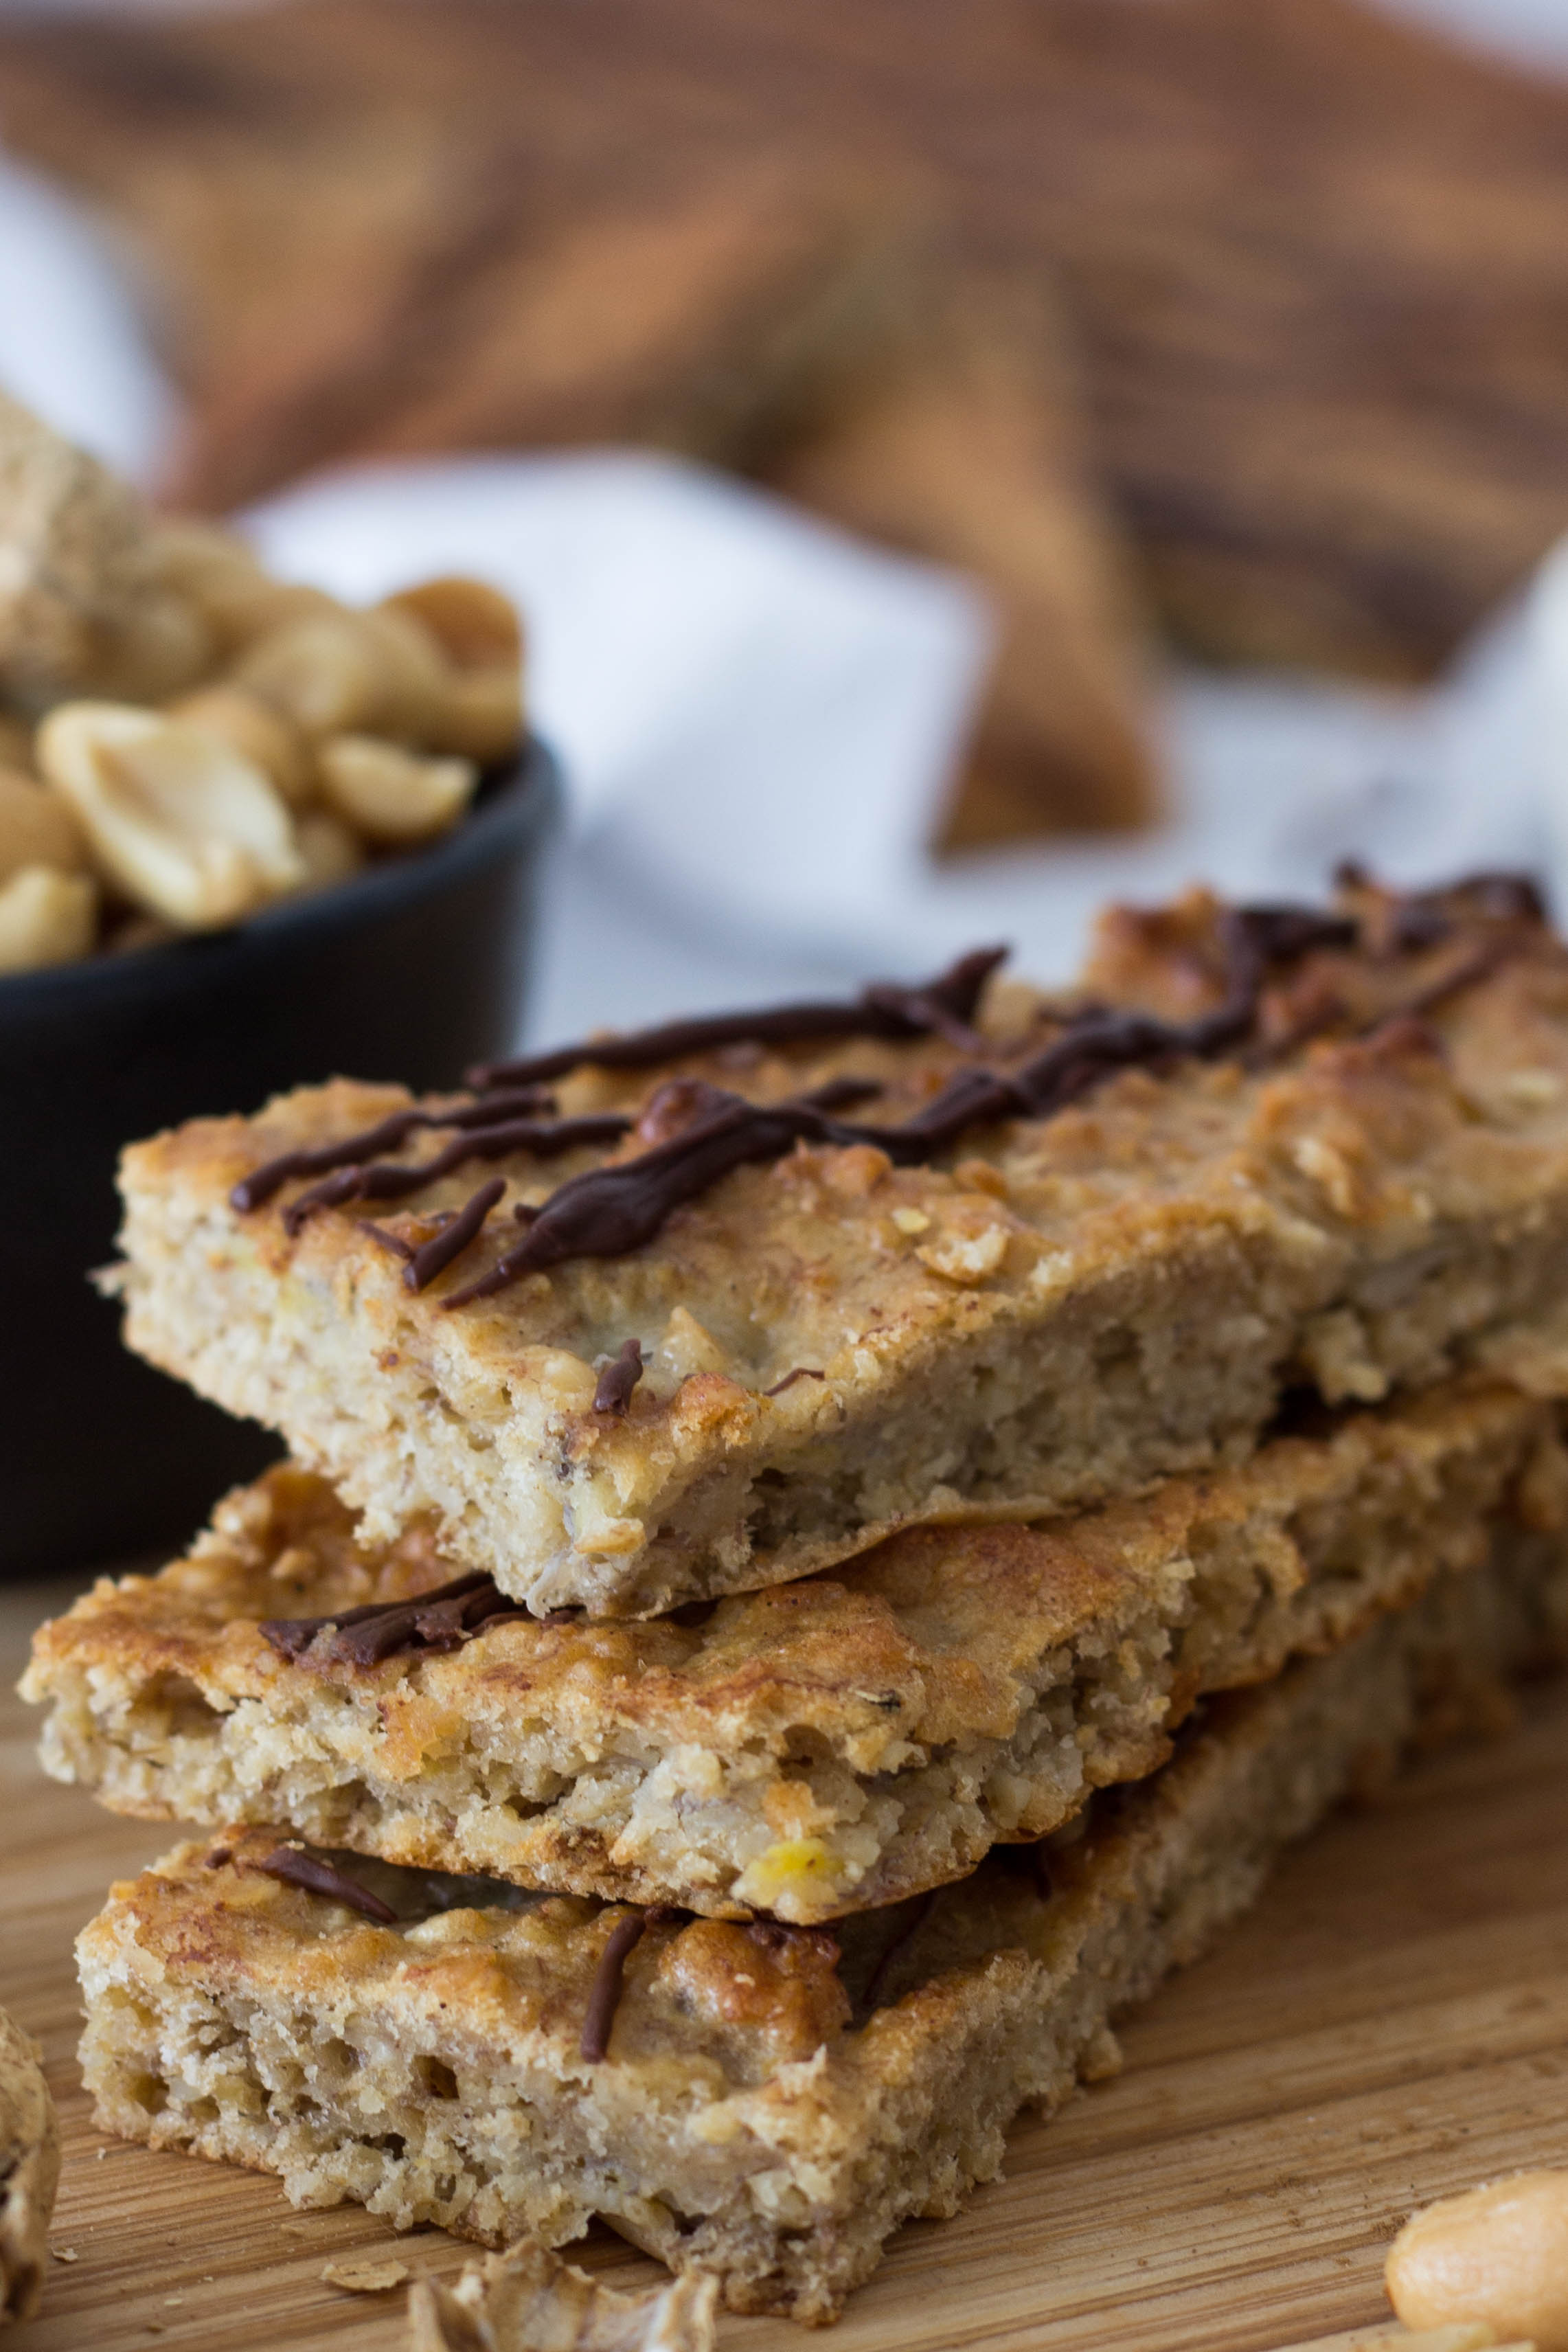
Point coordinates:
[[825, 1550]]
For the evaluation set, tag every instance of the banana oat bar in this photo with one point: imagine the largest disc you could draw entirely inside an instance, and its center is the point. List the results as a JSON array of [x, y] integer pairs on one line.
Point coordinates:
[[732, 1302], [762, 2101], [804, 1750]]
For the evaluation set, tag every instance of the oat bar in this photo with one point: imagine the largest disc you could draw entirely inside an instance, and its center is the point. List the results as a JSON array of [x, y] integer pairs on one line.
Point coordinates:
[[805, 1751], [1095, 1242], [762, 2101]]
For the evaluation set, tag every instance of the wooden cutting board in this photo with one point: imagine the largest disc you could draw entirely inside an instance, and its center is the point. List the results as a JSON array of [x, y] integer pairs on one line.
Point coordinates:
[[1390, 2024]]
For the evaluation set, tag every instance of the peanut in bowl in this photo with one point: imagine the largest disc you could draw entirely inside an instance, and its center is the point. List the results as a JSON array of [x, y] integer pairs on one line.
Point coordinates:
[[411, 969], [248, 835]]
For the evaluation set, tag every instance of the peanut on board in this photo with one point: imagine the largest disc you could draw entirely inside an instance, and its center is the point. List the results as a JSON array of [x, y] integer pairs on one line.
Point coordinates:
[[29, 2166], [46, 917], [175, 817], [392, 795], [1497, 2256], [37, 828]]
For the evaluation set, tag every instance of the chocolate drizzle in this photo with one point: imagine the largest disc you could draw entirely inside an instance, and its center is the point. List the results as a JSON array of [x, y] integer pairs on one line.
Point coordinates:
[[604, 1994], [942, 1007], [697, 1133], [433, 1256], [608, 1212], [253, 1192], [392, 1180], [440, 1620], [296, 1868], [618, 1377]]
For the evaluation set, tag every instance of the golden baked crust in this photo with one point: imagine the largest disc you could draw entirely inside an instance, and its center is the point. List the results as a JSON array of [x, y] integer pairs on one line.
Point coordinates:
[[1059, 1309], [767, 2109], [806, 1751]]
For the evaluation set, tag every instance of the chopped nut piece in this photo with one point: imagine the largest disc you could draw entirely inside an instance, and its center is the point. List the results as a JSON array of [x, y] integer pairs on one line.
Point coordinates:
[[37, 828], [365, 2274], [1498, 2256], [46, 917], [528, 2300], [390, 794], [182, 825]]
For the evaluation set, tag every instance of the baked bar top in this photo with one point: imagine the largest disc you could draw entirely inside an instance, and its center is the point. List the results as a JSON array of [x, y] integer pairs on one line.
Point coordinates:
[[1373, 1187], [805, 1751], [762, 2101]]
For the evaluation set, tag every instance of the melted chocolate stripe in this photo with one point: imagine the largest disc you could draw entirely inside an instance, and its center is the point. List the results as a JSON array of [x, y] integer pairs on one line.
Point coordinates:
[[944, 1007], [303, 1870], [365, 1635], [618, 1377], [609, 1212], [433, 1256], [253, 1191], [604, 1994], [392, 1180]]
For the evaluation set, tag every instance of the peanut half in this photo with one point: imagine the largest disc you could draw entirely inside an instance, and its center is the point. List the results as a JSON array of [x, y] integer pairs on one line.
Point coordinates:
[[481, 641], [392, 795], [176, 819], [1497, 2256], [259, 733]]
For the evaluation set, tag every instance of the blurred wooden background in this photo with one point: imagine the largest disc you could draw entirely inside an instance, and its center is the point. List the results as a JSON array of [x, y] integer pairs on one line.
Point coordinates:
[[1243, 323]]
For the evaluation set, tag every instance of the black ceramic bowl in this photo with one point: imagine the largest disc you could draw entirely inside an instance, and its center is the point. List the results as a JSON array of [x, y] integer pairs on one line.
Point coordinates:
[[410, 971]]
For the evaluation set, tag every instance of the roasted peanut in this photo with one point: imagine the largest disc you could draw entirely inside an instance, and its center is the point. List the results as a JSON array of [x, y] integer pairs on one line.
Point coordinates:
[[481, 715], [1497, 2256], [328, 851], [417, 676], [338, 671], [476, 626], [480, 638], [220, 575], [326, 672], [392, 795], [37, 828], [259, 733], [174, 818], [160, 647], [46, 917]]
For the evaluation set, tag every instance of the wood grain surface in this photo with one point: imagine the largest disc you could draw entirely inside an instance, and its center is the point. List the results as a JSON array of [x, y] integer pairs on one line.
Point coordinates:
[[1390, 2024]]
